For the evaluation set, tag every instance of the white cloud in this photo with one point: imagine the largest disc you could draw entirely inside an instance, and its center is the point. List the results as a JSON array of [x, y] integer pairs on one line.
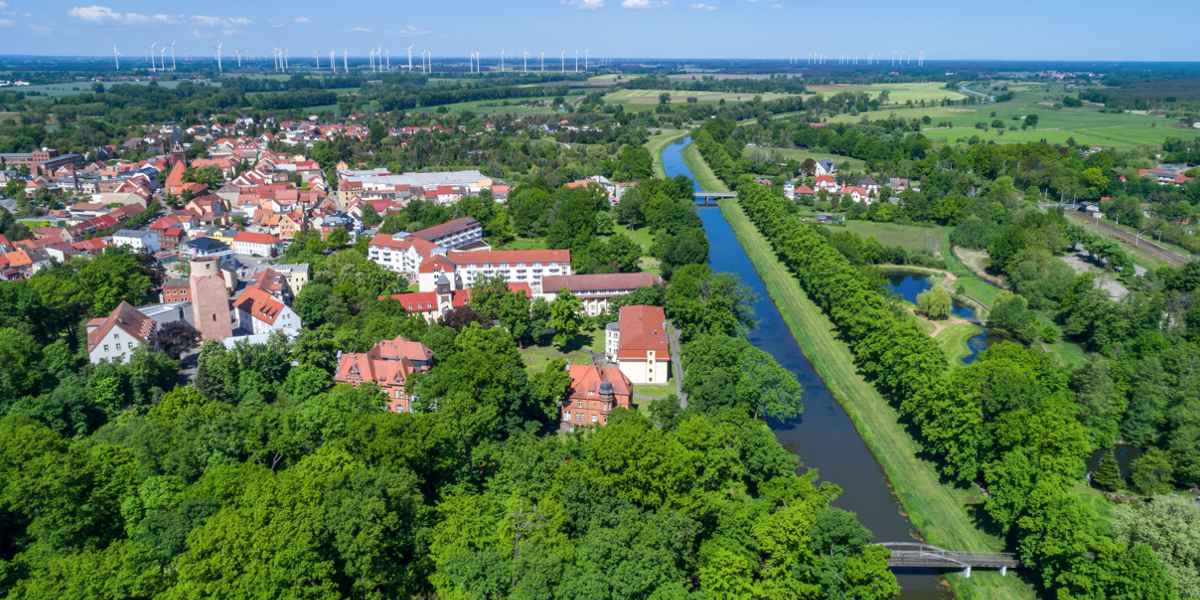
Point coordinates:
[[3, 4], [361, 29], [410, 31], [640, 4], [585, 4], [224, 22], [302, 19], [7, 22], [703, 6]]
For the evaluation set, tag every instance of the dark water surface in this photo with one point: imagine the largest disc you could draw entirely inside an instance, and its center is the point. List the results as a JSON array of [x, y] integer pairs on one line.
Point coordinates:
[[910, 285], [823, 438]]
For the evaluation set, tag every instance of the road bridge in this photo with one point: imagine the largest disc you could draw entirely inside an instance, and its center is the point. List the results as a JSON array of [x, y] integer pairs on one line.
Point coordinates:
[[923, 556], [710, 198]]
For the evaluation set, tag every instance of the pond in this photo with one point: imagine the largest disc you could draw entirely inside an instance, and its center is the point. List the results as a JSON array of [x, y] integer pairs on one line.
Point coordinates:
[[910, 285]]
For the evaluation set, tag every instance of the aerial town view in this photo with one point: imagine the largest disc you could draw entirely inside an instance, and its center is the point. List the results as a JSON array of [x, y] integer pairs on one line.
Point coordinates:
[[599, 299]]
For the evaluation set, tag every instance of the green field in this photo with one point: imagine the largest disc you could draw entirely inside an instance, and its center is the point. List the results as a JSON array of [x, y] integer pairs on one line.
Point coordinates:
[[542, 105], [58, 90], [941, 513], [657, 142], [1087, 125], [898, 93], [536, 357], [953, 340], [648, 99], [800, 155], [935, 240]]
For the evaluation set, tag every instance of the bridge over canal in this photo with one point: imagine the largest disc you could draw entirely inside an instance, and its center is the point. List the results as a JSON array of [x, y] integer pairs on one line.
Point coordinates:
[[923, 556], [710, 198]]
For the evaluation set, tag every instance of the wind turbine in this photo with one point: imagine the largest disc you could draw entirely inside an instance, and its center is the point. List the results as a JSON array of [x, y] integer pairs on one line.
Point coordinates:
[[219, 46], [152, 47], [585, 59], [345, 60], [162, 58], [238, 52], [333, 61], [577, 61], [562, 61], [410, 47], [116, 57], [172, 55], [502, 60], [318, 55], [543, 60], [525, 61]]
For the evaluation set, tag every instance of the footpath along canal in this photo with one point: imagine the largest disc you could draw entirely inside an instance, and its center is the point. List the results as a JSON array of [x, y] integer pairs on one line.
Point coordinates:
[[823, 437]]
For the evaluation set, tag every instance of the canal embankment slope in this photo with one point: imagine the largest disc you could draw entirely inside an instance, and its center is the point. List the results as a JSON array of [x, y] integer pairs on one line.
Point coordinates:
[[943, 514]]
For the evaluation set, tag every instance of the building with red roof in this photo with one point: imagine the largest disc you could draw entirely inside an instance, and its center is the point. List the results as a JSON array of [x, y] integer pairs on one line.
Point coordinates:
[[595, 290], [637, 342], [116, 336], [595, 392], [388, 365], [253, 243]]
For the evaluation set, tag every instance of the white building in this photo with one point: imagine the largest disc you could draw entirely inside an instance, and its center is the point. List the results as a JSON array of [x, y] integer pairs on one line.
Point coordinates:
[[115, 337], [138, 240], [637, 342], [257, 313], [421, 261], [253, 243], [596, 290], [452, 235]]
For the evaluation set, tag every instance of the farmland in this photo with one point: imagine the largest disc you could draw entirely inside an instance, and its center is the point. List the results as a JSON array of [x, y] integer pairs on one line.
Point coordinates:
[[1087, 125], [648, 99], [898, 93], [800, 154]]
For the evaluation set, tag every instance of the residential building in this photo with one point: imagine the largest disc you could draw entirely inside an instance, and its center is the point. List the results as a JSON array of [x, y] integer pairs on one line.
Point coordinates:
[[388, 365], [595, 392], [596, 290], [255, 244], [434, 305], [115, 337], [637, 342], [452, 235], [257, 313], [138, 240], [176, 290], [513, 266], [206, 247], [295, 274], [825, 167]]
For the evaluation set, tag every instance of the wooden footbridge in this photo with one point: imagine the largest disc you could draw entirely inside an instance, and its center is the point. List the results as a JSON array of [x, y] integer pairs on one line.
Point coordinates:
[[710, 198], [913, 555]]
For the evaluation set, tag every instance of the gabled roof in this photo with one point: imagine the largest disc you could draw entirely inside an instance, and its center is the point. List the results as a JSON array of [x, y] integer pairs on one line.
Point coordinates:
[[253, 237], [599, 282], [643, 328], [492, 257], [259, 304], [126, 317], [446, 229]]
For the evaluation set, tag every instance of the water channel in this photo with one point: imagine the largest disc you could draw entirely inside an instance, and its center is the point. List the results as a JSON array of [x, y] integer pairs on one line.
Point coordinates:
[[823, 437]]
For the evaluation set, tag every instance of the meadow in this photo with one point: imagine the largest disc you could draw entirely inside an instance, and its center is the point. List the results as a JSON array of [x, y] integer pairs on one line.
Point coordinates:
[[648, 99], [1087, 125], [898, 93], [542, 105], [800, 154]]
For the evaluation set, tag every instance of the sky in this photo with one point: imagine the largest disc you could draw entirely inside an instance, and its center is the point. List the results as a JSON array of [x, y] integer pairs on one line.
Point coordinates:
[[964, 29]]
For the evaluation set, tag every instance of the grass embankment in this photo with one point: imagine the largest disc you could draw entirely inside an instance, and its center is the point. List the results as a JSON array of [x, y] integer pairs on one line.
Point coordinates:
[[655, 146], [941, 513], [700, 169]]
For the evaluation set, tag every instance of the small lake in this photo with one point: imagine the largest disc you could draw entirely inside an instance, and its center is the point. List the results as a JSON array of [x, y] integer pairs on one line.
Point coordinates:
[[910, 285]]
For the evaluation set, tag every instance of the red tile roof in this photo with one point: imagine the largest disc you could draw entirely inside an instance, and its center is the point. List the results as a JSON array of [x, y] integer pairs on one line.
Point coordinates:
[[494, 257], [599, 282], [448, 228], [254, 237], [125, 316], [259, 304], [643, 329]]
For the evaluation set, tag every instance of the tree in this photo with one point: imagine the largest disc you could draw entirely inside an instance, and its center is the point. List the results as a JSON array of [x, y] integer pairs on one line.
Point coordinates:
[[1171, 525], [1108, 473], [934, 303], [176, 338], [722, 372], [1151, 472], [21, 374], [566, 318], [1031, 120]]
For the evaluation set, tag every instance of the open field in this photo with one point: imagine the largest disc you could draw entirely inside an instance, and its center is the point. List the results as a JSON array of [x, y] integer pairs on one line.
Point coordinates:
[[542, 105], [704, 174], [941, 513], [657, 142], [898, 93], [58, 90], [648, 99], [800, 154], [1087, 125]]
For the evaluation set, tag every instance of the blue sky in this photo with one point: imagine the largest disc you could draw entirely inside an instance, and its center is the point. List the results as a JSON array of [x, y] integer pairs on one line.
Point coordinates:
[[1020, 29]]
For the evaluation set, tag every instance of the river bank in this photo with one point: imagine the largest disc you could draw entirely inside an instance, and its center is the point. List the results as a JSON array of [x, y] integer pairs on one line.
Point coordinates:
[[941, 513]]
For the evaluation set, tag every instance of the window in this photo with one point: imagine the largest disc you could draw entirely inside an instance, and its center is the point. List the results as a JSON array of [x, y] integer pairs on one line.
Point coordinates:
[[595, 418]]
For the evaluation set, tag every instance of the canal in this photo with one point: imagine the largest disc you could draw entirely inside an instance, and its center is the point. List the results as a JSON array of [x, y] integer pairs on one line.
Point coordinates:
[[823, 437]]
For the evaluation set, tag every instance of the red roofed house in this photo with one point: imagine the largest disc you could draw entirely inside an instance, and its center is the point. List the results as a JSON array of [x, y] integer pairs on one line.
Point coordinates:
[[255, 244], [257, 313], [434, 305], [637, 342], [595, 290], [116, 336], [174, 182], [388, 364], [594, 393]]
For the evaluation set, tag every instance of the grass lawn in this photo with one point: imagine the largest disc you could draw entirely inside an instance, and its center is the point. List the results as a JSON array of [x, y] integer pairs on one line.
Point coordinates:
[[800, 154], [657, 142], [704, 174], [645, 239], [941, 513], [524, 243], [953, 340], [1071, 354], [909, 237], [536, 357], [511, 106]]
